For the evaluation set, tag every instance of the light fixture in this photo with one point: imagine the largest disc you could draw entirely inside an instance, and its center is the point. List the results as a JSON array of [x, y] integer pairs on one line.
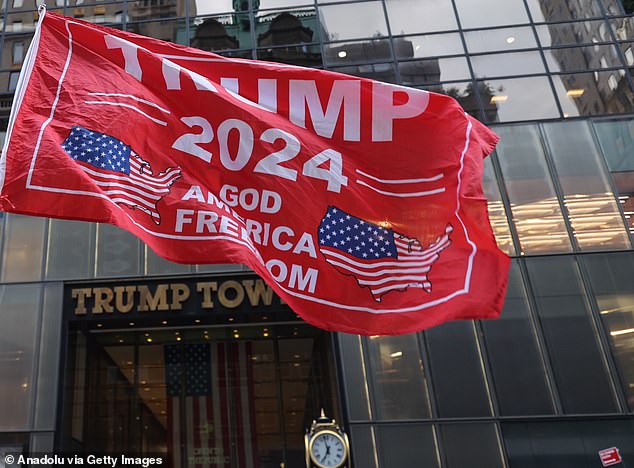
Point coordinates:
[[500, 98], [342, 54], [164, 322], [396, 354], [131, 324], [510, 40], [99, 325], [575, 92], [149, 340], [197, 321], [622, 332]]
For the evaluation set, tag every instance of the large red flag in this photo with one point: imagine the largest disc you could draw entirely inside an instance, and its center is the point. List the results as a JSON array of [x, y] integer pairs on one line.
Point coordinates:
[[359, 202]]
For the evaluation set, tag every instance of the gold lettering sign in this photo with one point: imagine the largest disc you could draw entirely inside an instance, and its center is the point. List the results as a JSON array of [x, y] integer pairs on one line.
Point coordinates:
[[81, 294], [152, 302], [206, 288], [222, 294]]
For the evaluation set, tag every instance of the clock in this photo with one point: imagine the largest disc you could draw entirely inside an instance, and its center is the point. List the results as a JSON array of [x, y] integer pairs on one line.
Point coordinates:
[[326, 444]]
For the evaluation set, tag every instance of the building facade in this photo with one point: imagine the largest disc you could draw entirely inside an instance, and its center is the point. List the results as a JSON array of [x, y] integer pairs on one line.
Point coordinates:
[[106, 347]]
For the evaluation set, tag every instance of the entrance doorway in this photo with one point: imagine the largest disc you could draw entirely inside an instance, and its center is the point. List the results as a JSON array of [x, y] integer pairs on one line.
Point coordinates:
[[232, 397]]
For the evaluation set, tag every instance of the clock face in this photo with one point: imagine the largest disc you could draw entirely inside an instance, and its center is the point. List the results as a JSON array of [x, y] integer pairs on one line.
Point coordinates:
[[328, 450]]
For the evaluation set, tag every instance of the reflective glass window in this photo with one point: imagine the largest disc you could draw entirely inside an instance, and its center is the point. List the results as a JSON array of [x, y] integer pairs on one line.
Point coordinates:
[[518, 99], [498, 40], [547, 11], [596, 93], [363, 446], [397, 377], [413, 16], [23, 248], [354, 376], [457, 371], [563, 309], [562, 34], [361, 51], [462, 92], [516, 63], [48, 364], [369, 20], [274, 28], [431, 45], [497, 212], [491, 13], [18, 337], [118, 252], [536, 212], [570, 59], [170, 30], [374, 71], [592, 206], [205, 7], [156, 265], [420, 72], [71, 249], [518, 372], [617, 142], [221, 32], [623, 28], [411, 445], [566, 444], [475, 445], [306, 55], [618, 7], [610, 276]]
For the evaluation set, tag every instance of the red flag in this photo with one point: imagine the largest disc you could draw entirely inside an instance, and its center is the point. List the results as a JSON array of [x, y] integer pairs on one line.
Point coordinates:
[[242, 161]]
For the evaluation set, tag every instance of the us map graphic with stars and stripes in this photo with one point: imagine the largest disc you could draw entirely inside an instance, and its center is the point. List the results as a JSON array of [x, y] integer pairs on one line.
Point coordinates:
[[119, 172]]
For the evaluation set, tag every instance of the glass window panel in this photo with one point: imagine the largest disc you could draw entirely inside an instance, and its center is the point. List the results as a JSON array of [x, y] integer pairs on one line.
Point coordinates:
[[623, 28], [561, 34], [374, 71], [546, 11], [592, 206], [473, 445], [171, 30], [264, 4], [571, 339], [397, 377], [369, 21], [118, 252], [432, 45], [497, 212], [363, 446], [18, 336], [566, 444], [361, 51], [516, 63], [597, 93], [613, 289], [21, 22], [518, 371], [456, 371], [71, 249], [23, 248], [519, 99], [156, 265], [205, 7], [220, 268], [219, 33], [491, 40], [618, 7], [411, 445], [627, 48], [420, 72], [50, 350], [570, 59], [536, 212], [491, 13], [462, 92], [617, 141], [307, 55], [354, 375], [413, 16], [274, 28]]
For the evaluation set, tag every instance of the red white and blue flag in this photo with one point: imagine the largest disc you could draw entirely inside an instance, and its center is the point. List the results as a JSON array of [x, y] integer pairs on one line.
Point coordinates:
[[238, 161]]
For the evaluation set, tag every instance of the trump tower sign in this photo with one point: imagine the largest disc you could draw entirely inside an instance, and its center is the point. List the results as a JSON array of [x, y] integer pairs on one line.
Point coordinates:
[[359, 202]]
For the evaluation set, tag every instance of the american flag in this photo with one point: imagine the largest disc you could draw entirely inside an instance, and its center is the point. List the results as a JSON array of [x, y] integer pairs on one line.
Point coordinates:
[[210, 405], [378, 257], [118, 171]]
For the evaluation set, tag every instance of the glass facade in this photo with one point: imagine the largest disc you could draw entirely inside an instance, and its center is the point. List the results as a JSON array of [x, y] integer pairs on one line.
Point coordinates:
[[548, 384]]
